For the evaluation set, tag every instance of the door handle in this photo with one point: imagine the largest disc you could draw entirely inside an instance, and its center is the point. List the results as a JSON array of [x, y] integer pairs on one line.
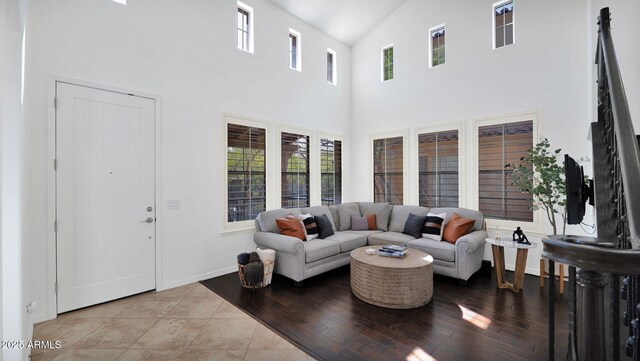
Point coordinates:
[[148, 220]]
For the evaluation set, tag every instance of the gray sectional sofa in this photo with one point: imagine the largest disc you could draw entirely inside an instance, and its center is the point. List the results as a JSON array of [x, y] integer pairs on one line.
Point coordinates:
[[299, 260]]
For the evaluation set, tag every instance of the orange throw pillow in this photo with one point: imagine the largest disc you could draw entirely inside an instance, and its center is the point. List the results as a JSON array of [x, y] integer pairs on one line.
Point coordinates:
[[456, 228], [371, 222], [290, 227]]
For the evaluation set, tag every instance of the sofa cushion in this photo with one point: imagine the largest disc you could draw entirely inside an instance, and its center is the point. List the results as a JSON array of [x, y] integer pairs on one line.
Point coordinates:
[[345, 211], [444, 251], [413, 226], [320, 210], [319, 249], [381, 210], [334, 214], [390, 238], [465, 213], [267, 219], [456, 228], [364, 233], [348, 241], [400, 214]]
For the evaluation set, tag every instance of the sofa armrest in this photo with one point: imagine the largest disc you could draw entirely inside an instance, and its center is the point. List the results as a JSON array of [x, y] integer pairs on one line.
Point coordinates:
[[471, 241], [279, 242]]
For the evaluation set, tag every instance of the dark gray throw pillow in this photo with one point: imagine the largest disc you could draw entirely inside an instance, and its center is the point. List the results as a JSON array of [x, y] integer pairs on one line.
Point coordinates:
[[324, 226], [413, 225]]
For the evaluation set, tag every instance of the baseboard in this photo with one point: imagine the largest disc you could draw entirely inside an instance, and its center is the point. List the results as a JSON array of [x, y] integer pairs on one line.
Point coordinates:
[[26, 354], [41, 317], [198, 278]]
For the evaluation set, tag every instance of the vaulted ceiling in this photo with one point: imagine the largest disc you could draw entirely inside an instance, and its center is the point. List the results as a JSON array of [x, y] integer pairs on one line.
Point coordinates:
[[344, 20]]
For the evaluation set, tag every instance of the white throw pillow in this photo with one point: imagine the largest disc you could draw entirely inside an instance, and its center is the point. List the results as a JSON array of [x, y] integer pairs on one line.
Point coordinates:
[[301, 218], [433, 230]]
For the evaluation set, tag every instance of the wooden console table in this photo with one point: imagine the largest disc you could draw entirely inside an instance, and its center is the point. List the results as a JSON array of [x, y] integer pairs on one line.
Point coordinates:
[[498, 246]]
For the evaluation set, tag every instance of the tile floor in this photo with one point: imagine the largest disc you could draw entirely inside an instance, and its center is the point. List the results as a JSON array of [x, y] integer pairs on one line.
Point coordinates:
[[188, 323]]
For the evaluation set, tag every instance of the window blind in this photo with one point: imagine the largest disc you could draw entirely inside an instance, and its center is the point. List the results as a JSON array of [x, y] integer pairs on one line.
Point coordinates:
[[331, 171], [246, 170], [438, 169], [499, 145], [388, 172], [295, 170]]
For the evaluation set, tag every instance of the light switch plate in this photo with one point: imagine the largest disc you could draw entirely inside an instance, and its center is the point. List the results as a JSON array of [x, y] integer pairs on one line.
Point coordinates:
[[173, 204]]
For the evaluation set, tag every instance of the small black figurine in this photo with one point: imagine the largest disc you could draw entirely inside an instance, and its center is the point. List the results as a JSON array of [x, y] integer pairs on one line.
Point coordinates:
[[518, 236]]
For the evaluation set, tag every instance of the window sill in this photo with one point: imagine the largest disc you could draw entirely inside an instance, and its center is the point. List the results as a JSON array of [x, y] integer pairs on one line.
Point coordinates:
[[245, 229]]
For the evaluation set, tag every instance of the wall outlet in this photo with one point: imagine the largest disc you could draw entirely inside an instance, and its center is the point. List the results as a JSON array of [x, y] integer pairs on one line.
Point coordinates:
[[31, 307]]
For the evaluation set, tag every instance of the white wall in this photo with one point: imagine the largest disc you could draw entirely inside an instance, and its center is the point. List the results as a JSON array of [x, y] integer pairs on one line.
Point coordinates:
[[15, 324], [545, 70], [185, 52]]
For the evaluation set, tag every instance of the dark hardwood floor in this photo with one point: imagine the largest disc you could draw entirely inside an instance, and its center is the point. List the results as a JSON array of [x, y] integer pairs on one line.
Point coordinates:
[[327, 321]]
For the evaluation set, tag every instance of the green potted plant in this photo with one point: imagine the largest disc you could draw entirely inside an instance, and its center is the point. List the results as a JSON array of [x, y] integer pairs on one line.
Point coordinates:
[[542, 175]]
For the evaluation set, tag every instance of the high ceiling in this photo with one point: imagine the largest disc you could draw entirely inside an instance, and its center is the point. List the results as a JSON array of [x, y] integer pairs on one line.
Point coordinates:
[[344, 20]]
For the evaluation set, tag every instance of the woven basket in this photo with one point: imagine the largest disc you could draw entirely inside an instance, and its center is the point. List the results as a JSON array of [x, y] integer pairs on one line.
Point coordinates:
[[268, 267]]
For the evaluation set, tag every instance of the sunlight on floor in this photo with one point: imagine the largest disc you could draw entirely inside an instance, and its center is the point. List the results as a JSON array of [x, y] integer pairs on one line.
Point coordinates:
[[475, 318], [419, 354]]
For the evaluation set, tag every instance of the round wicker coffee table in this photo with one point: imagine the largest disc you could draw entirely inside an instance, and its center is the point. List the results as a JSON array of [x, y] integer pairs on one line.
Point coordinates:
[[392, 282]]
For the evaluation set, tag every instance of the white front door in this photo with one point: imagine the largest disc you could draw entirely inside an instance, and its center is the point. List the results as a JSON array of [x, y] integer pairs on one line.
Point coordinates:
[[105, 190]]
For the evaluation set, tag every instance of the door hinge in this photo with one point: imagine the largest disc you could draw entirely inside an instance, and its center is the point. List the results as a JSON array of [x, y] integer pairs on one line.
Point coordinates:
[[55, 164], [56, 286], [55, 103], [55, 225]]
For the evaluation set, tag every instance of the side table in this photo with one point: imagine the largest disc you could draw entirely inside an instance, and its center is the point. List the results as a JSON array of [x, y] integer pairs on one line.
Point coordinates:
[[498, 246]]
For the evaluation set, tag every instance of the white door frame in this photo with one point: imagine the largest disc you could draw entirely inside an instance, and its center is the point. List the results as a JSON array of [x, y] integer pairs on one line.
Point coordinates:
[[51, 301]]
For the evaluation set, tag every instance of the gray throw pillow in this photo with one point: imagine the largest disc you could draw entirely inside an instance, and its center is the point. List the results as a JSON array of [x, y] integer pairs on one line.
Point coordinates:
[[381, 210], [345, 212], [413, 226], [359, 223]]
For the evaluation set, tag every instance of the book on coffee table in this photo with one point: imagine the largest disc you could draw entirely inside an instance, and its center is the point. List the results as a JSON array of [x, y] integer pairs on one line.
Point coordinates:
[[393, 248], [391, 254]]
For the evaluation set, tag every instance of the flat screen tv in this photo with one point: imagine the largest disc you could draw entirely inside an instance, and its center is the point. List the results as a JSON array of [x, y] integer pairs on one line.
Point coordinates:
[[578, 190]]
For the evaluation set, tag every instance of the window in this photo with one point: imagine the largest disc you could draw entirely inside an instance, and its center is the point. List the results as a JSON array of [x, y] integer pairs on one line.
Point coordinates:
[[332, 67], [246, 172], [331, 171], [245, 27], [387, 63], [437, 46], [295, 50], [503, 24], [438, 169], [388, 170], [498, 146], [295, 170]]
